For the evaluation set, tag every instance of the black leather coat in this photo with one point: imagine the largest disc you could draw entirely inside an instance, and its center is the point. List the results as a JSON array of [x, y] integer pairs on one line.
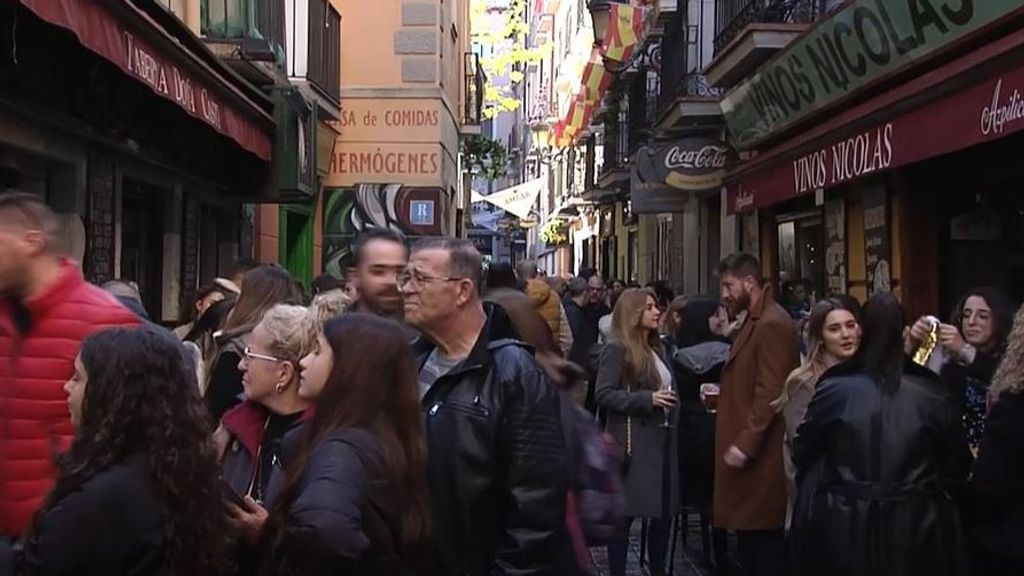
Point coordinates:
[[345, 516], [497, 462], [878, 473]]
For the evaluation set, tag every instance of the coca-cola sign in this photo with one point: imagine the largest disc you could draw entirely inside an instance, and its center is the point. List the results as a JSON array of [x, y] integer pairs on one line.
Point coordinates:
[[695, 164], [709, 157]]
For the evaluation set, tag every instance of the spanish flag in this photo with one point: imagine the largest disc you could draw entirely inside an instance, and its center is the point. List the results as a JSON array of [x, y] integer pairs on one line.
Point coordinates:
[[626, 26], [596, 79]]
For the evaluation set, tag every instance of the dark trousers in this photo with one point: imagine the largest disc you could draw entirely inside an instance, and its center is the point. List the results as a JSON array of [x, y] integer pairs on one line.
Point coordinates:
[[657, 547], [762, 552]]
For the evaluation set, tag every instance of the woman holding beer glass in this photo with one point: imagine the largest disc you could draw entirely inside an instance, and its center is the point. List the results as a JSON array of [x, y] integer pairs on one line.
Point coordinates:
[[635, 387]]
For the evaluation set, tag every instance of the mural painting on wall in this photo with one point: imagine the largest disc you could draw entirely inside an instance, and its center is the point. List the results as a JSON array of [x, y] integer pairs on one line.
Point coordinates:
[[412, 211]]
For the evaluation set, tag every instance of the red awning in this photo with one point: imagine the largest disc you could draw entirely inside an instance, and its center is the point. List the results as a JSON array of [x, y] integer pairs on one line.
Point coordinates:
[[846, 148], [170, 71]]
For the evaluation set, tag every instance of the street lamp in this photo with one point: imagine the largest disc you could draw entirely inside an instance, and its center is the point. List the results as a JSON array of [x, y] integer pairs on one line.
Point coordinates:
[[600, 12], [539, 136]]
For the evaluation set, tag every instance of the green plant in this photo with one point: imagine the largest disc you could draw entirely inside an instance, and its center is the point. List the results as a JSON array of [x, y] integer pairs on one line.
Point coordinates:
[[555, 233], [486, 153]]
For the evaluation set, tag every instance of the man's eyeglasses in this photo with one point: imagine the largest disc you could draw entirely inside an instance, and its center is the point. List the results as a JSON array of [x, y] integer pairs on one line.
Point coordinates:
[[250, 355], [416, 279]]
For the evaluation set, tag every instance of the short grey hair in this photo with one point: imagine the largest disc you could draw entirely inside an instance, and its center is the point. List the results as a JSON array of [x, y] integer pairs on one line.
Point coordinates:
[[577, 287], [526, 269], [464, 260]]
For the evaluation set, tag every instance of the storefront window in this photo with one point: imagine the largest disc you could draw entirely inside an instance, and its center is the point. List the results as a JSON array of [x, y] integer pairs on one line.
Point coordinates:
[[633, 255], [801, 255]]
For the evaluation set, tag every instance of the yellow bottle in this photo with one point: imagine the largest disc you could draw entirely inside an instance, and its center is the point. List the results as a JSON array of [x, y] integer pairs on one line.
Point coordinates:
[[924, 351]]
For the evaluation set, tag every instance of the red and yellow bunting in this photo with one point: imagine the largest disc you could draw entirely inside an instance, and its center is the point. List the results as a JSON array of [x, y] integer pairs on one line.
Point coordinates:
[[625, 31]]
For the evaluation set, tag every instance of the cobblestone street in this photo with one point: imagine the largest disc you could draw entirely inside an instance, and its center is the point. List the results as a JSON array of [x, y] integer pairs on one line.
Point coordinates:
[[688, 560]]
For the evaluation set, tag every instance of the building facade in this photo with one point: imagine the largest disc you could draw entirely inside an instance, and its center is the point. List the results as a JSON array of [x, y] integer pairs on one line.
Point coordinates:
[[886, 167], [407, 93], [140, 138]]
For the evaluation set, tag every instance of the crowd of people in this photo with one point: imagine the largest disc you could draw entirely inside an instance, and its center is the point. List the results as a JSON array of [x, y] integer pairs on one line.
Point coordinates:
[[431, 415]]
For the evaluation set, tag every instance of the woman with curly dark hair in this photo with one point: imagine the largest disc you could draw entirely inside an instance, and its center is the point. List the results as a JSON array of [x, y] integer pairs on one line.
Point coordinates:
[[355, 498], [139, 491]]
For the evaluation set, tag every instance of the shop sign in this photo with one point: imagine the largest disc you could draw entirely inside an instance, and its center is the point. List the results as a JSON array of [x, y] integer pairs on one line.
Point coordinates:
[[414, 164], [692, 165], [984, 112], [104, 34], [864, 41]]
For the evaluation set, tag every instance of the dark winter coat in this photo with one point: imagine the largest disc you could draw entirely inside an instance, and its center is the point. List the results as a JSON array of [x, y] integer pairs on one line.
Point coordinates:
[[497, 469], [970, 383], [245, 429], [696, 365], [877, 474], [345, 516], [994, 507], [651, 483], [224, 391], [112, 524]]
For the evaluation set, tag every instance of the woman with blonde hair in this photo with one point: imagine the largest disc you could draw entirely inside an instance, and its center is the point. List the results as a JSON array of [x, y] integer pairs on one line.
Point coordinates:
[[635, 387], [252, 434], [995, 500], [833, 336]]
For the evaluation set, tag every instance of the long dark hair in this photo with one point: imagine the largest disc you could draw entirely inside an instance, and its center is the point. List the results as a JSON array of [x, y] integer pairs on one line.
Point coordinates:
[[881, 350], [262, 288], [141, 398], [1002, 315], [372, 385]]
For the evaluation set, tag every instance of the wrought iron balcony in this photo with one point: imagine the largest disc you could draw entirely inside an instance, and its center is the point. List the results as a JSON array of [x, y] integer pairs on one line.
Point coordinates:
[[256, 27], [474, 90], [734, 15], [324, 52], [616, 139]]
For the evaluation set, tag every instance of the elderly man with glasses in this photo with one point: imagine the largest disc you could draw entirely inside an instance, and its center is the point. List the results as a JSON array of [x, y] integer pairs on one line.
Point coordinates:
[[497, 471]]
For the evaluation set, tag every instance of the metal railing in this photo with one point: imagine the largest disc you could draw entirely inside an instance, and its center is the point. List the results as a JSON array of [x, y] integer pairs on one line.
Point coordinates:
[[323, 68], [732, 16], [616, 139], [474, 90], [262, 21]]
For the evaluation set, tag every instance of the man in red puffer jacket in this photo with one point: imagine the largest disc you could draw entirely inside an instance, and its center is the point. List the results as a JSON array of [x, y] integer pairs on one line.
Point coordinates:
[[46, 310]]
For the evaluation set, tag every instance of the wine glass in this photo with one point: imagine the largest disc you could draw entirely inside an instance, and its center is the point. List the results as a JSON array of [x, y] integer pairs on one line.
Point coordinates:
[[668, 422]]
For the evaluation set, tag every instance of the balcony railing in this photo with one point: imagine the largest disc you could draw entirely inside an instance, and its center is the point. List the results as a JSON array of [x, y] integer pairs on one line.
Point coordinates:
[[257, 26], [474, 90], [616, 139], [734, 15], [324, 65]]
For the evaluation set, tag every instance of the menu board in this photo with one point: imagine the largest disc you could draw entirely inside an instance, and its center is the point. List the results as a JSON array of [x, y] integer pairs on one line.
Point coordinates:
[[99, 253], [877, 251], [189, 252], [835, 245]]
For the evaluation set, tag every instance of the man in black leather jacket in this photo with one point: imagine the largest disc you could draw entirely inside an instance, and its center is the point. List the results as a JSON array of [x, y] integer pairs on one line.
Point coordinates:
[[497, 471]]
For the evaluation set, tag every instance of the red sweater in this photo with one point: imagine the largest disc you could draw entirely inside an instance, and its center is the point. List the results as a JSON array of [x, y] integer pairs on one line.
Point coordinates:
[[34, 422]]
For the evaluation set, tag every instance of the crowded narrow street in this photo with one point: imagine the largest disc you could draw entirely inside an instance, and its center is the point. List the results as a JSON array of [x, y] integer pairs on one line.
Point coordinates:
[[511, 287]]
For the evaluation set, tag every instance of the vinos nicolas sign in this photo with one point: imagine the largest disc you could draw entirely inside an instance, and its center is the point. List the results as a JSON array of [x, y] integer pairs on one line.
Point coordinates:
[[864, 41]]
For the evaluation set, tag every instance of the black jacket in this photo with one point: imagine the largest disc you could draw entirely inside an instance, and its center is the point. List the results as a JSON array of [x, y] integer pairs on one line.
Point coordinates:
[[994, 507], [878, 473], [497, 468], [112, 524], [344, 519]]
